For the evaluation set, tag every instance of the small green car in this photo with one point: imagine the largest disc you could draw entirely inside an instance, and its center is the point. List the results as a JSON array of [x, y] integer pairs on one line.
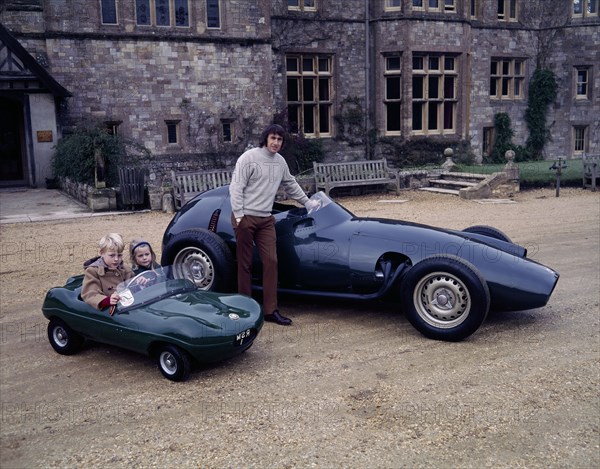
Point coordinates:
[[166, 318]]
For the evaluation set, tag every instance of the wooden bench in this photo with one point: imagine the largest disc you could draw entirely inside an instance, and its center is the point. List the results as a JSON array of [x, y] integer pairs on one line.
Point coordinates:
[[354, 173], [188, 184], [591, 170]]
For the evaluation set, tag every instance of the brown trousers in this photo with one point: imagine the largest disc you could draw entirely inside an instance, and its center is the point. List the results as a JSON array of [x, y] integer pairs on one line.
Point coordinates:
[[260, 231]]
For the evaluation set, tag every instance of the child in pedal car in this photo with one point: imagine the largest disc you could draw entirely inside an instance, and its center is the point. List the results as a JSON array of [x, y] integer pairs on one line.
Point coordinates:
[[104, 273]]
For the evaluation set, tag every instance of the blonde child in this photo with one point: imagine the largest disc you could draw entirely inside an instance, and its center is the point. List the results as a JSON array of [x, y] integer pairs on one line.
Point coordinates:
[[103, 274]]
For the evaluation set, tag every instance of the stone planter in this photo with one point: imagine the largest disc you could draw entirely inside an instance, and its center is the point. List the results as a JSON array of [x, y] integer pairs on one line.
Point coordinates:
[[155, 194], [99, 200]]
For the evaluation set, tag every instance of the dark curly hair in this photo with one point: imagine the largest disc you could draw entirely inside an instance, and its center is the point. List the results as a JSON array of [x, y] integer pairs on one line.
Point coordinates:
[[272, 129]]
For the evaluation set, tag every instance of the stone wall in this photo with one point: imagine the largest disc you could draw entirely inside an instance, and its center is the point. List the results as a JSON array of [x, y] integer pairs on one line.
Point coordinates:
[[141, 77]]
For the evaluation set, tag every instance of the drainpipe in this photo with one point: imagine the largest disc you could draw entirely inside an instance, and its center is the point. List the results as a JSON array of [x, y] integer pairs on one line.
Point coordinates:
[[31, 179], [367, 80]]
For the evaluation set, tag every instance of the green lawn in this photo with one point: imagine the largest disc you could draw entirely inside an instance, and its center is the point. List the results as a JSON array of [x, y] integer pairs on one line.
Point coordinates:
[[535, 173]]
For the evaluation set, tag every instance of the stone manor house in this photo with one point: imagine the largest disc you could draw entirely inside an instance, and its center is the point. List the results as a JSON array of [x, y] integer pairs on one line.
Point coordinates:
[[195, 81]]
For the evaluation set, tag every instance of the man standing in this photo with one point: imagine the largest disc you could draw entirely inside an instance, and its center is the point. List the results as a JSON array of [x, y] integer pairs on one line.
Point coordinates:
[[258, 174]]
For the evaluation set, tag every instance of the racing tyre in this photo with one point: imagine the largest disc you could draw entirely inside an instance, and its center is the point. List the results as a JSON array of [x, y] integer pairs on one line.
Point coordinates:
[[488, 231], [62, 338], [173, 362], [445, 298], [203, 257]]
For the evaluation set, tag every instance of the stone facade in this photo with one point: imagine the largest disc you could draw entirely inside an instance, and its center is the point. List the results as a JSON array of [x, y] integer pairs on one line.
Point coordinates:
[[140, 78]]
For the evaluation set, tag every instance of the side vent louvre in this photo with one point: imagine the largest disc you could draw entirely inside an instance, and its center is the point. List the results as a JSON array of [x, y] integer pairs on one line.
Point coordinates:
[[214, 220]]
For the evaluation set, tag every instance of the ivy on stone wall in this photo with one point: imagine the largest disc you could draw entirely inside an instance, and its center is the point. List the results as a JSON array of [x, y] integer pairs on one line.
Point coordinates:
[[351, 122], [75, 154], [299, 152], [503, 141], [419, 152], [542, 93]]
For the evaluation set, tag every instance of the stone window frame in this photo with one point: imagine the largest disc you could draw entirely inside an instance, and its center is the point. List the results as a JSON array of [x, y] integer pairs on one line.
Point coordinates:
[[440, 6], [112, 126], [508, 10], [210, 18], [474, 9], [108, 4], [588, 8], [434, 105], [582, 70], [580, 139], [173, 132], [487, 140], [392, 74], [152, 20], [392, 5], [316, 110], [507, 79], [227, 130], [302, 5]]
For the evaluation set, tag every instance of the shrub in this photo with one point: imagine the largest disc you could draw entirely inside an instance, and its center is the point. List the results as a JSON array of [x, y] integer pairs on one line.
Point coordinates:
[[503, 141], [75, 154]]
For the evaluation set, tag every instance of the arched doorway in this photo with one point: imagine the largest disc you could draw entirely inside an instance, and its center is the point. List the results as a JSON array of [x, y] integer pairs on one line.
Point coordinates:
[[13, 161]]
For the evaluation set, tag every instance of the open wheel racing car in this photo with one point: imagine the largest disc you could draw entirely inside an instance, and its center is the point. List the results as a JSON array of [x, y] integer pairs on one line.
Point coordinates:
[[445, 281]]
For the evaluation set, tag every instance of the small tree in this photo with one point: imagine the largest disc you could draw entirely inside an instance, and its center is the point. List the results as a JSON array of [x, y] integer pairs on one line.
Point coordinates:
[[76, 154]]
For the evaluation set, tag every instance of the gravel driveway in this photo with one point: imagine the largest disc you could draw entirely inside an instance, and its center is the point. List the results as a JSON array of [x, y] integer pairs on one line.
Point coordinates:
[[348, 385]]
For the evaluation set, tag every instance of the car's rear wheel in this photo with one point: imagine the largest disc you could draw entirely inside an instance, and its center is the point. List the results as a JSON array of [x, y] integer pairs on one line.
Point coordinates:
[[62, 338], [174, 363], [202, 257], [445, 298], [488, 231]]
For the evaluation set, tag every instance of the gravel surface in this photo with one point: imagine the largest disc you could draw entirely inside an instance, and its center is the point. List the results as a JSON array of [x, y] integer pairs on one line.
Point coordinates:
[[348, 385]]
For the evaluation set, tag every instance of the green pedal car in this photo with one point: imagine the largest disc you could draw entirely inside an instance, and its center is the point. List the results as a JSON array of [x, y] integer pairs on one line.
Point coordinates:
[[160, 316]]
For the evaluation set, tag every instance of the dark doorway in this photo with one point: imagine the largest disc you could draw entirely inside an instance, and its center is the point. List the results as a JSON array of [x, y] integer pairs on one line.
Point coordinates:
[[12, 167]]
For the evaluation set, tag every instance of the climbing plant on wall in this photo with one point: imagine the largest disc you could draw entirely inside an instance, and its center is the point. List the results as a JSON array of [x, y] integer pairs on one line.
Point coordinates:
[[542, 93], [503, 139], [300, 152]]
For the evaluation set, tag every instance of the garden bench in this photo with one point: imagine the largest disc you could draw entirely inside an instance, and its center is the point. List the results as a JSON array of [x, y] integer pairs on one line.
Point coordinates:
[[188, 184], [354, 173], [591, 170]]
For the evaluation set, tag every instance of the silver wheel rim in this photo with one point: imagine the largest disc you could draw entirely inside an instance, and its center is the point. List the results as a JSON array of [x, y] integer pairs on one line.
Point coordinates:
[[168, 362], [194, 264], [60, 336], [442, 300]]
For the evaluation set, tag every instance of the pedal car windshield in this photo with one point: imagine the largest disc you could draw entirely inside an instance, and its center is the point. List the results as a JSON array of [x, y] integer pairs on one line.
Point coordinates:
[[150, 286]]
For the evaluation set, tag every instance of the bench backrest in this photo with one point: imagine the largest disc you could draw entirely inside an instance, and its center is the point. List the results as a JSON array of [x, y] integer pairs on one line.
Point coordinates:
[[199, 181], [351, 171]]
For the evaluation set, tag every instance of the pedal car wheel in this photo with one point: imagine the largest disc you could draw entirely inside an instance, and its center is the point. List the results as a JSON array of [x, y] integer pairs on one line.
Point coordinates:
[[173, 362], [203, 257], [445, 298], [62, 338], [488, 231]]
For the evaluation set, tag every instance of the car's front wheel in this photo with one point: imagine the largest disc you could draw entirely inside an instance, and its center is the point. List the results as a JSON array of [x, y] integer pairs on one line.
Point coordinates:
[[201, 256], [62, 338], [445, 298], [174, 363]]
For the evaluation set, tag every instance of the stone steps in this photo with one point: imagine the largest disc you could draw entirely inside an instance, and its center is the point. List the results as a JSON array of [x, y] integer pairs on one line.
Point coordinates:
[[439, 190], [451, 182]]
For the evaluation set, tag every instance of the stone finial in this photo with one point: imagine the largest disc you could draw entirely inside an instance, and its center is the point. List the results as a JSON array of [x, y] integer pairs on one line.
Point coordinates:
[[511, 168], [449, 163]]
